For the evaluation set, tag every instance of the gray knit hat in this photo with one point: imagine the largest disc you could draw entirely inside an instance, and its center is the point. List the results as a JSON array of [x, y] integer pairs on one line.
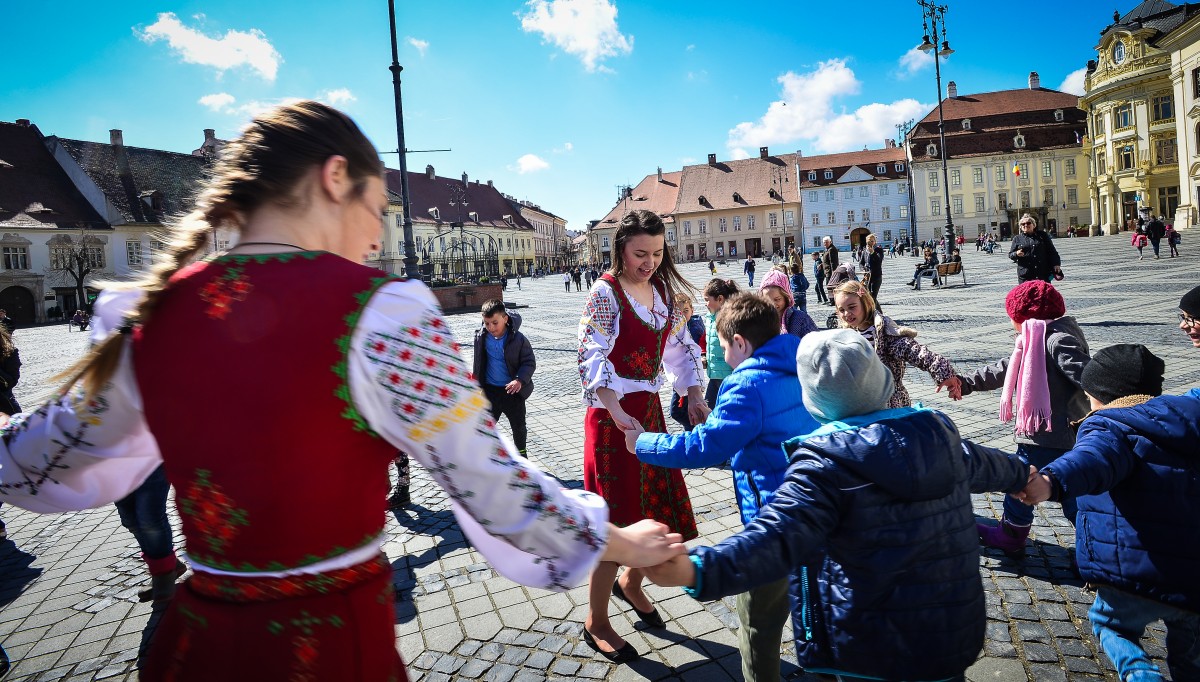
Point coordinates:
[[841, 375]]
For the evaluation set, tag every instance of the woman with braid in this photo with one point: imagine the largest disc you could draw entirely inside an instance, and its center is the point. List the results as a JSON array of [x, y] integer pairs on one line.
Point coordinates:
[[285, 587]]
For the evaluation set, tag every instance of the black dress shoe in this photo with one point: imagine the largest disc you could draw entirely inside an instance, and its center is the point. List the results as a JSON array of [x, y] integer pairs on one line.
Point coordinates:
[[623, 655], [650, 617]]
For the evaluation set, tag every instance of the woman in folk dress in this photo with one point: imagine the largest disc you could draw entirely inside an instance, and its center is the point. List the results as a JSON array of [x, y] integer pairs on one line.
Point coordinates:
[[628, 333]]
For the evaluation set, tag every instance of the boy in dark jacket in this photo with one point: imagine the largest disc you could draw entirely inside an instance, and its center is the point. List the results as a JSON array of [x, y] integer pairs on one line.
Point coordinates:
[[873, 523], [504, 366], [1133, 469], [759, 406]]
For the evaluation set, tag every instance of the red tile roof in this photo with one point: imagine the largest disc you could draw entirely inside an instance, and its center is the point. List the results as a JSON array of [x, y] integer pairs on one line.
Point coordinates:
[[752, 180], [868, 160], [483, 199], [649, 195], [996, 119]]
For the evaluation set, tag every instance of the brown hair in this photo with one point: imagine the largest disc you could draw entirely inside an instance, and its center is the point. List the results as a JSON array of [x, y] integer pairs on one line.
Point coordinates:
[[647, 222], [720, 287], [263, 166], [681, 299], [856, 288], [6, 343], [795, 269], [752, 316], [493, 306]]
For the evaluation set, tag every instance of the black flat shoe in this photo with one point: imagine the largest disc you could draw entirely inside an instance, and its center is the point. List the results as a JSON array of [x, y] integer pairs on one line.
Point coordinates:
[[650, 617], [625, 654]]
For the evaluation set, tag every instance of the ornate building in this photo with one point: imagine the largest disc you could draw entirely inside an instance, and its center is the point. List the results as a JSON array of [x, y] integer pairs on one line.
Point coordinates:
[[658, 193], [848, 196]]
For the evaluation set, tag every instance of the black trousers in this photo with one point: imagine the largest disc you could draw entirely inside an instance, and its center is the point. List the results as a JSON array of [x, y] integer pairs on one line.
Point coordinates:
[[511, 406]]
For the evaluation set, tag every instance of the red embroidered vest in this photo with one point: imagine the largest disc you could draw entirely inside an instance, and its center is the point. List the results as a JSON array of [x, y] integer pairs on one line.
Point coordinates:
[[638, 350], [241, 368]]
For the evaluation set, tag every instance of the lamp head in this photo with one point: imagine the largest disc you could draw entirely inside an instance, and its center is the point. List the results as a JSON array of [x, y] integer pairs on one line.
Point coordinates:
[[925, 45], [945, 51]]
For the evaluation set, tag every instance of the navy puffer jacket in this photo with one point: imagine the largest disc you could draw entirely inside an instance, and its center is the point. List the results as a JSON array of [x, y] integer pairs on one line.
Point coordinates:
[[1136, 473], [874, 524]]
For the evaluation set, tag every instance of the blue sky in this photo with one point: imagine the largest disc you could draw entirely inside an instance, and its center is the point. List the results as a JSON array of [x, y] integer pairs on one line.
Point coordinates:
[[557, 101]]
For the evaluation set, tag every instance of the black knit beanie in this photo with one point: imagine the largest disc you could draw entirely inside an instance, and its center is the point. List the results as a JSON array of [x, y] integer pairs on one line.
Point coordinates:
[[1123, 370], [1190, 303]]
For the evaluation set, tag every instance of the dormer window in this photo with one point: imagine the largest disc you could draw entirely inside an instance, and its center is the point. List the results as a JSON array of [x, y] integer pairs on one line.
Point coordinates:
[[508, 219], [772, 193], [153, 199], [435, 213], [812, 175], [966, 124], [899, 168], [1058, 115], [931, 150], [881, 169], [828, 175], [703, 200], [737, 198], [1019, 141], [474, 216]]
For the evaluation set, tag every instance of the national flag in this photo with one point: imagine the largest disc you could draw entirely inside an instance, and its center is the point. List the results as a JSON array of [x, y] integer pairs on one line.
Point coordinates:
[[1078, 138], [1016, 170]]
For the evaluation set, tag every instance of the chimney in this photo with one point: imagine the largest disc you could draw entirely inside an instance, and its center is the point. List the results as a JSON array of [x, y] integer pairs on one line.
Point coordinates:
[[763, 153], [1034, 81], [490, 183], [465, 177], [115, 138], [23, 122], [429, 172], [712, 159], [209, 134], [951, 90], [889, 143], [660, 174]]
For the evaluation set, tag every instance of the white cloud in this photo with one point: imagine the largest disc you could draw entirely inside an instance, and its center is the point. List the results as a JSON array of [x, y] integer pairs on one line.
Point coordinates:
[[566, 147], [530, 163], [337, 97], [1073, 83], [691, 46], [700, 76], [250, 49], [584, 28], [218, 101], [420, 45], [806, 111], [913, 62], [737, 153]]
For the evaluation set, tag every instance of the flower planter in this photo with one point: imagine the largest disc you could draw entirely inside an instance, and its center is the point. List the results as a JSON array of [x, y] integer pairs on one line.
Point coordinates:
[[465, 298]]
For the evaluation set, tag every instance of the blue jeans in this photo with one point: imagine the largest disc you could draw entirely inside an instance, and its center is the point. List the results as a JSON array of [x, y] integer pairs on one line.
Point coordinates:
[[144, 513], [751, 276], [1120, 618], [1021, 514]]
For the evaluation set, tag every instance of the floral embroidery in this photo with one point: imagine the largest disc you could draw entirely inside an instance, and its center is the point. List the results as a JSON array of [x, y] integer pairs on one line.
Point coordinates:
[[640, 365], [216, 517], [343, 344], [255, 589], [305, 645], [222, 291], [62, 445]]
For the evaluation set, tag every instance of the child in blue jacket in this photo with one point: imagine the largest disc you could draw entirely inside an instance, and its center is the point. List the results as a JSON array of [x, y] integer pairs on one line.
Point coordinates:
[[1133, 469], [873, 523], [758, 407]]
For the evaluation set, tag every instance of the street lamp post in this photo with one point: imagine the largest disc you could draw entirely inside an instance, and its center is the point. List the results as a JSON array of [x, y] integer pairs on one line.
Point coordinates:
[[902, 131], [934, 15], [410, 251]]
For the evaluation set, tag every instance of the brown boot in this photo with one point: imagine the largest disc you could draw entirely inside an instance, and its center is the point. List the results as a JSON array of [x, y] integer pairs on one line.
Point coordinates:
[[162, 586]]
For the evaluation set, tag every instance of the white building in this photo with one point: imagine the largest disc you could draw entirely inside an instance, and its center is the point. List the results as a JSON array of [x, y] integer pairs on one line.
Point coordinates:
[[848, 196]]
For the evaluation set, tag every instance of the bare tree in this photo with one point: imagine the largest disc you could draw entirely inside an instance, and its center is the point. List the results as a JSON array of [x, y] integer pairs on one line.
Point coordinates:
[[73, 259]]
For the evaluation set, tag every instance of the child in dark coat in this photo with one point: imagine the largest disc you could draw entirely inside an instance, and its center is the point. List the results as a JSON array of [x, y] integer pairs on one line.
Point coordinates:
[[504, 366]]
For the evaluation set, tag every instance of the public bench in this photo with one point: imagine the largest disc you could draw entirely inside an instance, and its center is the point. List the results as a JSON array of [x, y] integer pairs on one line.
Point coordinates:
[[943, 270]]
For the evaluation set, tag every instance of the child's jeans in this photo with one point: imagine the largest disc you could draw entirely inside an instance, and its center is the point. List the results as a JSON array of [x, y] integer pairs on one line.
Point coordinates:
[[801, 300], [1020, 514], [1120, 618], [763, 612], [144, 513]]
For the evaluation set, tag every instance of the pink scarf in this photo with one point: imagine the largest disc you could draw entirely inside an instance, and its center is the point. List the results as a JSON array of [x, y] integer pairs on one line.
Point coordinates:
[[1027, 380]]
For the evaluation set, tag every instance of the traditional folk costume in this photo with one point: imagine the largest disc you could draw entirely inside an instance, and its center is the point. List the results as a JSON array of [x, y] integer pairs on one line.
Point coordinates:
[[623, 346], [277, 438]]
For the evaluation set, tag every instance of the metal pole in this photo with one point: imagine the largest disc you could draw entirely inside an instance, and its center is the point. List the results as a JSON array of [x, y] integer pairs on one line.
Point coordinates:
[[948, 231], [410, 252]]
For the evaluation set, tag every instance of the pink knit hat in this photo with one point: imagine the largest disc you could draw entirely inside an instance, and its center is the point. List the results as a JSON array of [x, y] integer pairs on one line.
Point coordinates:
[[776, 278]]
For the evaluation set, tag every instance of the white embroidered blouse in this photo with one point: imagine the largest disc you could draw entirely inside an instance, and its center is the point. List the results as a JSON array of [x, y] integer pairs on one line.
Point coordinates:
[[530, 529], [598, 331]]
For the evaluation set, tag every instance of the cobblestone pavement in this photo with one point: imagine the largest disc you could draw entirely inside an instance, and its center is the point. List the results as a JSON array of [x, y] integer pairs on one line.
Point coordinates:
[[68, 608]]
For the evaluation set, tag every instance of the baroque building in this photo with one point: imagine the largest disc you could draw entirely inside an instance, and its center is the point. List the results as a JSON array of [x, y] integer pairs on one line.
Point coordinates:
[[848, 196]]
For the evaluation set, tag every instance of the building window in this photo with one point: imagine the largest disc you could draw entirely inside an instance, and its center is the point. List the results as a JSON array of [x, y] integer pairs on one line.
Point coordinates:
[[850, 216], [955, 178], [832, 218], [1024, 198], [887, 235], [864, 191], [884, 189], [816, 242], [812, 175], [772, 219], [880, 169], [966, 124], [722, 225], [1019, 142], [1024, 168], [903, 211], [1002, 200], [956, 205], [935, 206], [1001, 174], [133, 254], [1072, 196], [749, 222], [1168, 201], [979, 206], [737, 223], [1073, 221], [933, 180], [703, 226], [885, 213], [901, 187], [1047, 169], [816, 219], [1123, 117], [417, 243], [812, 195], [16, 258], [604, 241], [1163, 108], [671, 236], [848, 193], [829, 196], [1069, 167], [866, 215], [1047, 197], [1101, 165], [1126, 158], [789, 218], [687, 228], [931, 150], [977, 175], [899, 168], [1164, 151], [1058, 115], [1196, 83]]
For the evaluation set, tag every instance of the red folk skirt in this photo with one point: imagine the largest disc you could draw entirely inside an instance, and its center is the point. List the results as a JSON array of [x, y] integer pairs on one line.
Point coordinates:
[[328, 627], [633, 490]]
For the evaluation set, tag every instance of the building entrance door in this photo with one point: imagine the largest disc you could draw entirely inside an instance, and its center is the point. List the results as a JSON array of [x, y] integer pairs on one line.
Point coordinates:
[[754, 248], [691, 252], [704, 251], [774, 245], [789, 244], [17, 301], [732, 249], [1129, 211], [858, 238]]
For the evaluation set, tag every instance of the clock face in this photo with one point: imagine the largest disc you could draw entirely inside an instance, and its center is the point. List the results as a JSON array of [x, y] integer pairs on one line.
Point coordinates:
[[1118, 52]]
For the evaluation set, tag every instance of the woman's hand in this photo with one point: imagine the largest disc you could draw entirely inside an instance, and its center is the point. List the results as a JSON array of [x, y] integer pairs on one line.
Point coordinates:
[[953, 385], [698, 410], [677, 572], [612, 403], [631, 437], [645, 543]]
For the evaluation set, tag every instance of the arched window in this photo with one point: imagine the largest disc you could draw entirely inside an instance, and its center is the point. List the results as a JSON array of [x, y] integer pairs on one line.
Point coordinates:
[[966, 124], [931, 150]]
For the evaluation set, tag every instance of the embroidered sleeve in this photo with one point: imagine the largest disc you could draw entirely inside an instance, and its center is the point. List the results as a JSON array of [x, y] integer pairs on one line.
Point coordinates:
[[681, 358], [408, 382], [598, 329], [919, 355], [69, 454]]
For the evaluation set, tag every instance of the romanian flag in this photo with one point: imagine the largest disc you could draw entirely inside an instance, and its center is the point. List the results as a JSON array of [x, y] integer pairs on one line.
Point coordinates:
[[1016, 170]]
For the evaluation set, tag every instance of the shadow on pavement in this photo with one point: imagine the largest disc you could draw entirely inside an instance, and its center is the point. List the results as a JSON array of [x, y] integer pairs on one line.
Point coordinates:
[[157, 609], [16, 571]]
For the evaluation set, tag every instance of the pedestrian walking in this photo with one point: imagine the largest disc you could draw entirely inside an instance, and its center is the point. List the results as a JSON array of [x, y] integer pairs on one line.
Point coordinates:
[[871, 263], [799, 285], [819, 278], [748, 269], [577, 278], [1034, 253], [1156, 230], [829, 260], [1173, 239], [896, 346], [882, 562], [712, 268], [504, 366], [1138, 241], [628, 333], [283, 587], [1042, 395], [566, 276]]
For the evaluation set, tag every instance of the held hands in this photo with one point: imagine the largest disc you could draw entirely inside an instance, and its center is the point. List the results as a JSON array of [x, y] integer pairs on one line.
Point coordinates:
[[953, 385], [513, 387], [645, 543], [1037, 488], [631, 436], [698, 410], [678, 572]]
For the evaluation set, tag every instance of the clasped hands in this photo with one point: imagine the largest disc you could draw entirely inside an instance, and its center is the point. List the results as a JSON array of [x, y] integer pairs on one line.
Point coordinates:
[[649, 546], [1037, 488]]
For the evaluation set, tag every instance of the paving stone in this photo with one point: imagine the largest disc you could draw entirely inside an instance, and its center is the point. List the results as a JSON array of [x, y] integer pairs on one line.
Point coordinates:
[[540, 660], [989, 669], [552, 643], [1039, 653], [514, 655], [474, 668], [501, 672], [1046, 673], [468, 649], [449, 664], [593, 671], [1033, 632], [565, 667]]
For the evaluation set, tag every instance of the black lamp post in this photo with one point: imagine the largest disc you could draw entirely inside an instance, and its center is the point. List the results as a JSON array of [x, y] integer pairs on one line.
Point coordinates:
[[935, 15], [902, 131], [410, 251]]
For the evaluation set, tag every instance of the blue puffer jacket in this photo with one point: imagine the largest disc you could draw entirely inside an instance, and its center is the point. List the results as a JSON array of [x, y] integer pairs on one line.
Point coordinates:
[[874, 525], [758, 407], [1136, 473]]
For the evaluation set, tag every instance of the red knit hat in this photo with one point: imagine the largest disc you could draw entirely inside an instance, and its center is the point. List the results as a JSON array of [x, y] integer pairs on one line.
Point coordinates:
[[1035, 300]]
